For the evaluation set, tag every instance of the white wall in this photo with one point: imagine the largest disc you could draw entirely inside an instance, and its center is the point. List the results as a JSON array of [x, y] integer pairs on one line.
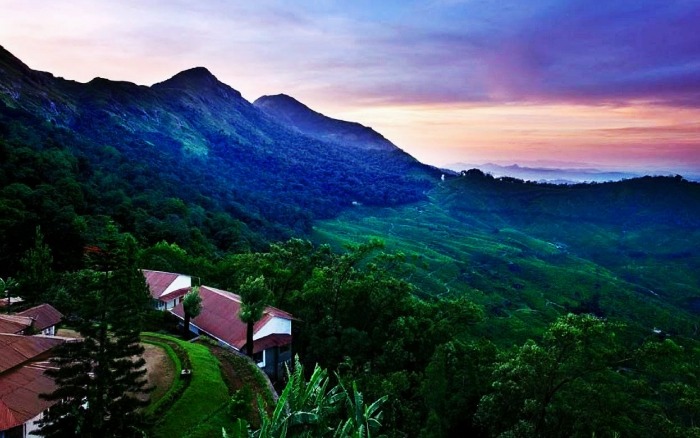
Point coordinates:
[[274, 326], [32, 425], [180, 282]]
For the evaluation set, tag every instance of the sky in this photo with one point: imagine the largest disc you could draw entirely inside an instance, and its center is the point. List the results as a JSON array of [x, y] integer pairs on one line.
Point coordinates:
[[614, 84]]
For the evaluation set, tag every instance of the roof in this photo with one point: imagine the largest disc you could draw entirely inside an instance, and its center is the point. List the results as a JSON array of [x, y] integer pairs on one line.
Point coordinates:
[[14, 324], [19, 394], [18, 349], [219, 316], [159, 281], [175, 294], [22, 378], [44, 316], [269, 341]]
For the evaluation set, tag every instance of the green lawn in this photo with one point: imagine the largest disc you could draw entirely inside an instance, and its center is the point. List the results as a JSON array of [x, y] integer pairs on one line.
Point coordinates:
[[203, 404]]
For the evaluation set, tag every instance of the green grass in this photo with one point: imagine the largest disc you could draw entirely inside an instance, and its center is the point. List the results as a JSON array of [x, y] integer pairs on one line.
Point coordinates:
[[202, 402]]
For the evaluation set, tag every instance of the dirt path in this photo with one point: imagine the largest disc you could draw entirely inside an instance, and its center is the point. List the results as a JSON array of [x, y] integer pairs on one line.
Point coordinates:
[[232, 379], [160, 370]]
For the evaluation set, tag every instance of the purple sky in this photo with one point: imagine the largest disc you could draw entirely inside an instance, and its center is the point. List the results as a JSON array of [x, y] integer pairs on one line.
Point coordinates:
[[612, 83]]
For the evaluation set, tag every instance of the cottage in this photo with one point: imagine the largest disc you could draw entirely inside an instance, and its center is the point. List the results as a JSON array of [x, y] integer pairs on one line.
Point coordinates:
[[41, 319], [23, 360], [272, 334], [13, 324], [167, 288], [44, 318]]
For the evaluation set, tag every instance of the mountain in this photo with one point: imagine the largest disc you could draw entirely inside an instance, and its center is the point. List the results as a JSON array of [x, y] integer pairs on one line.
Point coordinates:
[[187, 160], [296, 115]]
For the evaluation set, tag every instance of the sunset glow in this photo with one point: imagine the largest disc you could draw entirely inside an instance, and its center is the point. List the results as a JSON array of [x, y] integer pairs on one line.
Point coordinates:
[[614, 84]]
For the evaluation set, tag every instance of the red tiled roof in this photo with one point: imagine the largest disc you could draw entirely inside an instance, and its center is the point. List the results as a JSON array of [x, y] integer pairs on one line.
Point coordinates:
[[19, 394], [219, 316], [159, 281], [17, 349], [44, 316], [14, 324], [269, 341]]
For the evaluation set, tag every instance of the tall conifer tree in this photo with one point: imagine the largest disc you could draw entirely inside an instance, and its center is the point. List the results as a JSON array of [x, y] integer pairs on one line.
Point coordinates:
[[101, 377]]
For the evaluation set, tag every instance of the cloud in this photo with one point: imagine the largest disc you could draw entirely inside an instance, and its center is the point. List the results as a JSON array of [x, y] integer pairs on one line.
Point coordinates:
[[614, 51]]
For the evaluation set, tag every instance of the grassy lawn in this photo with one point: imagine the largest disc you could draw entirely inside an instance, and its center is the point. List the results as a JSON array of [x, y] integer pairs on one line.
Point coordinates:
[[203, 403]]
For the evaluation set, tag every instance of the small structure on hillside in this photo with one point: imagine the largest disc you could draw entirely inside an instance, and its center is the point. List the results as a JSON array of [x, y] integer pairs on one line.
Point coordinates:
[[44, 318], [23, 360], [41, 319], [167, 288], [272, 334], [15, 325]]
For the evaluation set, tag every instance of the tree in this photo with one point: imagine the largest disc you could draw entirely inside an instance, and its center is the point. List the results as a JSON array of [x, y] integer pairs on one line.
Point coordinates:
[[254, 298], [36, 274], [457, 376], [310, 409], [5, 287], [192, 306], [99, 379], [556, 387]]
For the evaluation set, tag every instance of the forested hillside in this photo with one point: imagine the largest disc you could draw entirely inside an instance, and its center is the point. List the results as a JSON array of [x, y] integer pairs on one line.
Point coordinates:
[[187, 160], [479, 305]]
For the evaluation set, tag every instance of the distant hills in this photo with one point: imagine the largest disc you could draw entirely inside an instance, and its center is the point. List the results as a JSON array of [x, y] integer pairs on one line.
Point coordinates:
[[556, 175]]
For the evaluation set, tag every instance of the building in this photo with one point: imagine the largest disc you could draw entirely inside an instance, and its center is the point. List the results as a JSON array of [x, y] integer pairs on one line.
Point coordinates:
[[272, 334], [41, 319], [23, 360], [13, 324], [167, 288], [44, 318]]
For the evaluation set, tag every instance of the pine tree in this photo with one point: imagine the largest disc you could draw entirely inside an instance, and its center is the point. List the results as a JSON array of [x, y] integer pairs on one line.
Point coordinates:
[[36, 274], [100, 378]]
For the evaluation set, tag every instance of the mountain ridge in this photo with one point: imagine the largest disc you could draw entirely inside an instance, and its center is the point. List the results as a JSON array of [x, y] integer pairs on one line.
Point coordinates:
[[297, 115], [195, 139]]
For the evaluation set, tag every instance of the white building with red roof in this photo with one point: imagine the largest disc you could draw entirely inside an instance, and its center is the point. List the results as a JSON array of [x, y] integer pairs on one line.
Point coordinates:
[[167, 288], [44, 318], [272, 334], [41, 319], [23, 360]]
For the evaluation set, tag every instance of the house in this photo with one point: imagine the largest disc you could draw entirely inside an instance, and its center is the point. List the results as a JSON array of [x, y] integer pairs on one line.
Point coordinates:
[[39, 319], [44, 318], [167, 288], [272, 334], [23, 360], [13, 324]]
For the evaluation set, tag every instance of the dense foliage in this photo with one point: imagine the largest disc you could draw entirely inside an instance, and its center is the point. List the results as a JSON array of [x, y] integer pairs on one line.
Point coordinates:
[[583, 375]]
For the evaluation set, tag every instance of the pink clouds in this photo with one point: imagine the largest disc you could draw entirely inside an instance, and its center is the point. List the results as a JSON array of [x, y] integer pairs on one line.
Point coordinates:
[[616, 81]]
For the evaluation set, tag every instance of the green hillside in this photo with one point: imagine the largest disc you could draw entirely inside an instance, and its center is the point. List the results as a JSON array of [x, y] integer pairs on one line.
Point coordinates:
[[529, 253]]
